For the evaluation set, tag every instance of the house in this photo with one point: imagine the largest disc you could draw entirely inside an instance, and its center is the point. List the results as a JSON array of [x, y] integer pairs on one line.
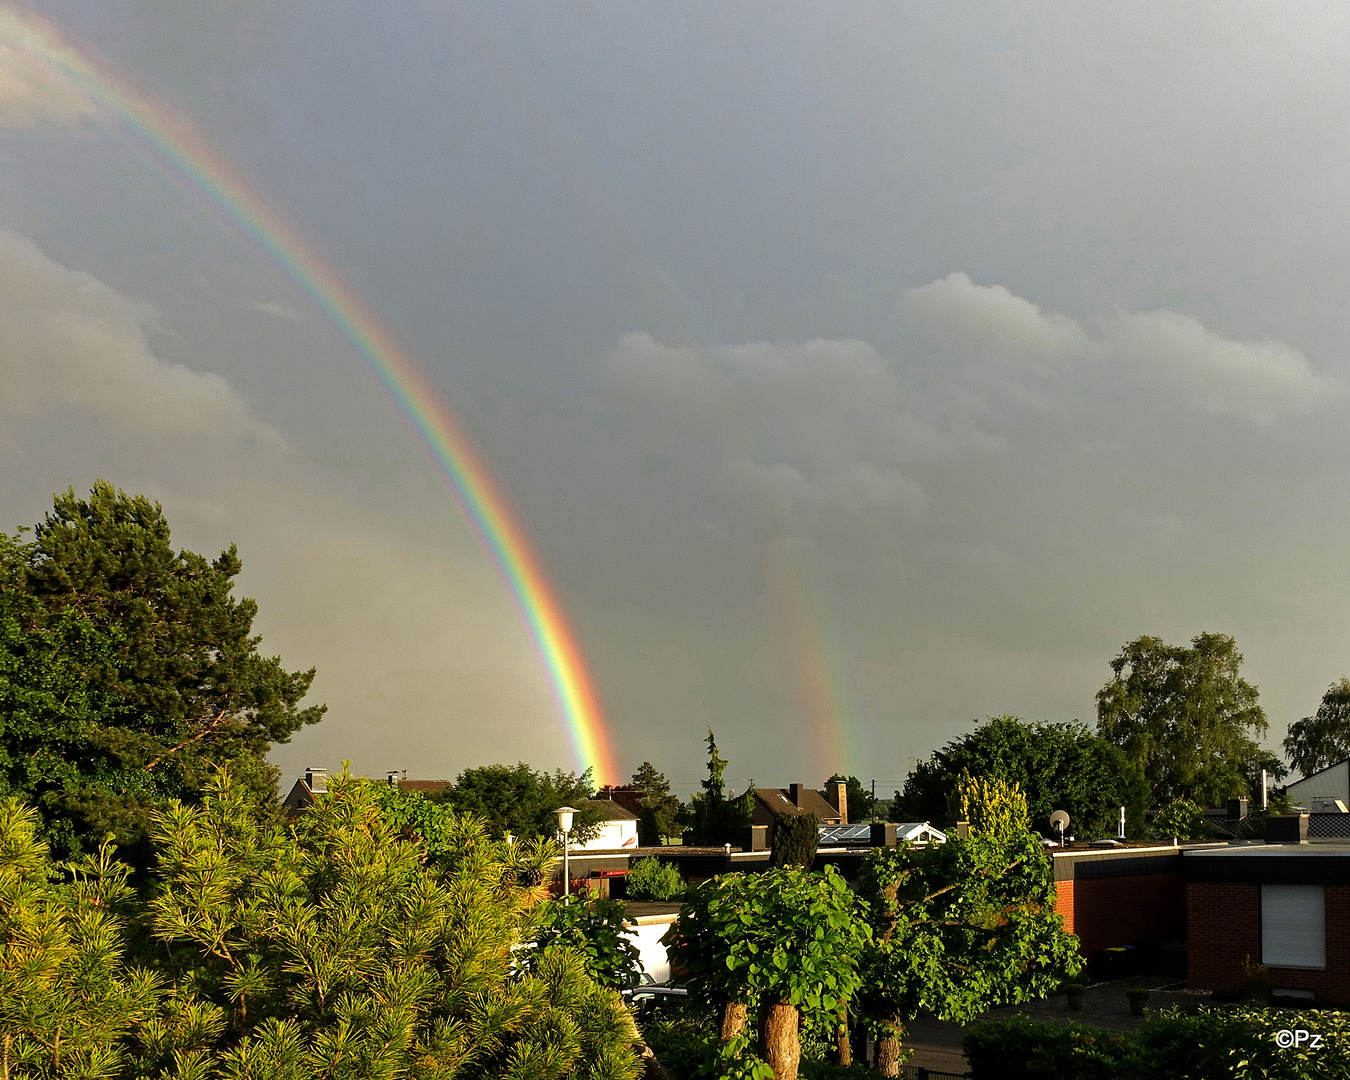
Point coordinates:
[[1322, 790], [315, 782], [301, 797], [772, 804], [1284, 906], [626, 795], [618, 830]]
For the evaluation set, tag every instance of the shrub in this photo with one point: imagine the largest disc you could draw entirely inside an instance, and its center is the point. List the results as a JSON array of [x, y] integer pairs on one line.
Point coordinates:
[[596, 930], [1211, 1044], [795, 840], [1137, 994], [1182, 819], [651, 879]]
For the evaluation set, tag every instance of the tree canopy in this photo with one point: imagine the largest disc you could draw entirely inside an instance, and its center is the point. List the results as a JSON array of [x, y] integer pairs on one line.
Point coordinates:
[[518, 800], [961, 926], [1324, 738], [129, 672], [659, 815], [1056, 766], [713, 818], [335, 947], [1187, 718]]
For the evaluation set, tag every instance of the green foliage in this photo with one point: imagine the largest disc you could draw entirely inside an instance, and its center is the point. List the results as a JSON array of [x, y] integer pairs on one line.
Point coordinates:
[[335, 948], [784, 935], [129, 673], [1210, 1044], [518, 800], [962, 926], [1324, 738], [659, 813], [714, 819], [992, 807], [651, 879], [795, 839], [1057, 766], [1182, 819], [595, 930], [862, 805], [1187, 718]]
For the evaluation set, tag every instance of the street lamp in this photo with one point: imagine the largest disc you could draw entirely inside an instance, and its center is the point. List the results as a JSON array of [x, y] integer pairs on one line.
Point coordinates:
[[565, 827]]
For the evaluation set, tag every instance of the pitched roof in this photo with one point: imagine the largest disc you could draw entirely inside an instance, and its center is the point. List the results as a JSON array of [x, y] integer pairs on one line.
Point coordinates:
[[778, 801], [611, 810]]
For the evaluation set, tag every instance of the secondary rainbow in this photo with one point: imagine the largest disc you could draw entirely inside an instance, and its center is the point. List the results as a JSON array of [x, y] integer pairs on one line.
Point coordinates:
[[177, 145]]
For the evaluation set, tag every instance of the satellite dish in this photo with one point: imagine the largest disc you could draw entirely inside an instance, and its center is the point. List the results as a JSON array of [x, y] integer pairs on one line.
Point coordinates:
[[1059, 821]]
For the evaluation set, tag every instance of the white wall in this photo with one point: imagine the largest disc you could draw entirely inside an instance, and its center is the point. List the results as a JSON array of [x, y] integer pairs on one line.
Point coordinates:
[[612, 834], [647, 931]]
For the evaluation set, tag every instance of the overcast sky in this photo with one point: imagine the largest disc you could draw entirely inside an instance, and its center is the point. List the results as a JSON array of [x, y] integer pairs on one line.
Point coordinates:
[[858, 370]]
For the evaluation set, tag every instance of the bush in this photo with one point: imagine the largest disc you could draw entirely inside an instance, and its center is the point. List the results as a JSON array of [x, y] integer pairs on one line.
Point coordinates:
[[1211, 1044], [1182, 819], [1137, 994], [795, 840], [651, 879], [596, 930]]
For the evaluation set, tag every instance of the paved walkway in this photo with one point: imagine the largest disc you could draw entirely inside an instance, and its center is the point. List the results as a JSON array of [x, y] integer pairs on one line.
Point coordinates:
[[937, 1045]]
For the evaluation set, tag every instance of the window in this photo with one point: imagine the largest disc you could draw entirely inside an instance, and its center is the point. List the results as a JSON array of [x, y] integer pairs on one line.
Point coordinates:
[[1293, 926]]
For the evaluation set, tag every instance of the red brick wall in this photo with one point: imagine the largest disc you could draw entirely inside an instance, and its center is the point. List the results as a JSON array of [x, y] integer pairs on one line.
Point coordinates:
[[1224, 922], [1123, 910]]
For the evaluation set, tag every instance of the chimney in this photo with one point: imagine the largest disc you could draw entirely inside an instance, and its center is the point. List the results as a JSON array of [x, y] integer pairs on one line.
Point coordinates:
[[1237, 809], [316, 780], [838, 798], [392, 777], [796, 792]]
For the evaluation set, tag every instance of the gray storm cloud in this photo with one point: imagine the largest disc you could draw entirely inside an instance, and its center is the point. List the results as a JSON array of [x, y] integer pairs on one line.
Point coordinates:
[[32, 96], [68, 341]]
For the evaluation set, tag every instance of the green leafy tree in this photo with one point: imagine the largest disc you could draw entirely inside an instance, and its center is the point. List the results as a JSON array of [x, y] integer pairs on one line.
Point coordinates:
[[862, 804], [713, 818], [1057, 766], [1187, 718], [595, 930], [1183, 820], [517, 800], [651, 879], [795, 839], [68, 1002], [1324, 738], [659, 815], [335, 947], [174, 685], [961, 926], [771, 944]]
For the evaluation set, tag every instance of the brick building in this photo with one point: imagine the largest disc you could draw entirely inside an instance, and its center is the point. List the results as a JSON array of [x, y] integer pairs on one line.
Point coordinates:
[[1120, 897], [1284, 906]]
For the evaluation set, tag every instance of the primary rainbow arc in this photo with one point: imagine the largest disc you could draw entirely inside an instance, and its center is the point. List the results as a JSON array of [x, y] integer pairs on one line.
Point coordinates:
[[177, 144]]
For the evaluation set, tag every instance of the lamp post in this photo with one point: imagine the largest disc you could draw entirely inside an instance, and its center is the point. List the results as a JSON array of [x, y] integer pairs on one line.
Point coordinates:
[[565, 827]]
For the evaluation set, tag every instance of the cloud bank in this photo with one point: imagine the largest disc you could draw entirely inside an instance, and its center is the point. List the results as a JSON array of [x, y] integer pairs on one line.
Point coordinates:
[[32, 96]]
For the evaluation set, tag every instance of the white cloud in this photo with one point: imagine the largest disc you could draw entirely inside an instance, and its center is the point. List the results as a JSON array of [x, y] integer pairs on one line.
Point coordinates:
[[68, 341], [983, 319], [995, 330], [31, 94], [819, 426]]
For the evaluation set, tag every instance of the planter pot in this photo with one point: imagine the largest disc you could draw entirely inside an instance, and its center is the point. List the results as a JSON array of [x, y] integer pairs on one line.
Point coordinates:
[[1137, 1007], [1076, 1002]]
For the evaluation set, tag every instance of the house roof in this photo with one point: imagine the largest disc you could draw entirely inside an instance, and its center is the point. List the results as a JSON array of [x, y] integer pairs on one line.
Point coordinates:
[[778, 801], [1319, 772], [611, 810]]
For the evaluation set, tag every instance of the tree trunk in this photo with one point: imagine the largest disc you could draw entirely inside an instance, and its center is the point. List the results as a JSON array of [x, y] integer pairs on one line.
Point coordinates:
[[733, 1020], [782, 1049], [841, 1039], [888, 1047]]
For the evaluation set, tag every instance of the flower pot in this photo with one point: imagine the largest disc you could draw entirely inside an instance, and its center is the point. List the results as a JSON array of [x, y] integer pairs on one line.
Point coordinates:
[[1076, 1002], [1137, 1006]]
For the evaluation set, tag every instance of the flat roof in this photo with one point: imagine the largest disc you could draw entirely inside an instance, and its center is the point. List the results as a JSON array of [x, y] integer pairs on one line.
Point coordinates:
[[1270, 864]]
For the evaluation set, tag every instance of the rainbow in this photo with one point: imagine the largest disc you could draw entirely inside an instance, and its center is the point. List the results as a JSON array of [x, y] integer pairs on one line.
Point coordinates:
[[821, 687], [176, 144]]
